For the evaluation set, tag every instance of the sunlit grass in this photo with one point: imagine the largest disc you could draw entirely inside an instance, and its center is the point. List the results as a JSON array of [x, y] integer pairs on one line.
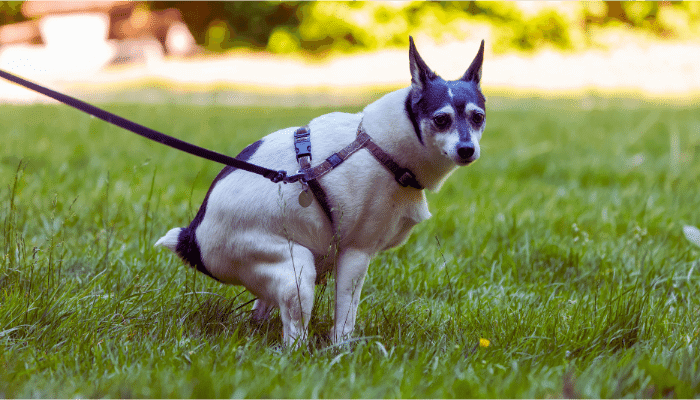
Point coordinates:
[[555, 266]]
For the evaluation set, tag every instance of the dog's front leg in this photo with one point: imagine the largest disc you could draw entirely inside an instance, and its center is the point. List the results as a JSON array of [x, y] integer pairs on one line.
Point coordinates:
[[350, 275]]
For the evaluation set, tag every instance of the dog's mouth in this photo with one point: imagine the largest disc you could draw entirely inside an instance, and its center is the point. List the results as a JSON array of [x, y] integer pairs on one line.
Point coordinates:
[[460, 161]]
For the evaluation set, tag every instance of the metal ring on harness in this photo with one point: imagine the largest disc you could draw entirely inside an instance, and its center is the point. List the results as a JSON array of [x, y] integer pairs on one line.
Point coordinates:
[[281, 176]]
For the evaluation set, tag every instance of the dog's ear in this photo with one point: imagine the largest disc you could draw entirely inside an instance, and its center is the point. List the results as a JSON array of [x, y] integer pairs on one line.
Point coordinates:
[[420, 73], [473, 74]]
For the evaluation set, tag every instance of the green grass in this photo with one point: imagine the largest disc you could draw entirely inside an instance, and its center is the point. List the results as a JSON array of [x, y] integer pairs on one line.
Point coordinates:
[[563, 246]]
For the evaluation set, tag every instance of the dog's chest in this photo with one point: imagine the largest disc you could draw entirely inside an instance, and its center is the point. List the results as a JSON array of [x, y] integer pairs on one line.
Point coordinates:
[[386, 222]]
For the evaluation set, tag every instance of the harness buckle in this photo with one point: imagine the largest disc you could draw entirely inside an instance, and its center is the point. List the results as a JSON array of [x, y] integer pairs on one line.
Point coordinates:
[[302, 143], [405, 178]]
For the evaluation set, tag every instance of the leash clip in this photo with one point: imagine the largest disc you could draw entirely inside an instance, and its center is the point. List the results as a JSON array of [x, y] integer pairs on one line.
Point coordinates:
[[281, 176], [295, 178], [302, 180]]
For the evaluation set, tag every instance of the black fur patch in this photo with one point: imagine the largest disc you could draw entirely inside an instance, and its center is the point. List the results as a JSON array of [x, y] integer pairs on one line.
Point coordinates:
[[187, 247], [466, 92], [412, 116]]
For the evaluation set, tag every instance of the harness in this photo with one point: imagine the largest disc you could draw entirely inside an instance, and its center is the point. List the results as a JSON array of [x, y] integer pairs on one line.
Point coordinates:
[[302, 145]]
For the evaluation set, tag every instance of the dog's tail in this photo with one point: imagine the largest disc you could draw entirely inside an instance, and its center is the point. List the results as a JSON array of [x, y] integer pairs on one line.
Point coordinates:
[[182, 242], [170, 240]]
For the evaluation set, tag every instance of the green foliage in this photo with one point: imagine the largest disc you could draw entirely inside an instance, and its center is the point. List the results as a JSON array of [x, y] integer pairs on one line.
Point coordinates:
[[546, 28], [223, 25], [562, 246], [323, 27], [328, 27], [10, 12]]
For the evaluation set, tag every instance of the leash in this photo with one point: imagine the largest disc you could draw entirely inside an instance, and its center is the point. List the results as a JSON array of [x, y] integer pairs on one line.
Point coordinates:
[[273, 175], [307, 176]]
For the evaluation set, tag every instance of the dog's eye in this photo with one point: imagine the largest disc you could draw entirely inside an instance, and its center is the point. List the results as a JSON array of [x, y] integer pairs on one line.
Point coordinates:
[[477, 118], [442, 121]]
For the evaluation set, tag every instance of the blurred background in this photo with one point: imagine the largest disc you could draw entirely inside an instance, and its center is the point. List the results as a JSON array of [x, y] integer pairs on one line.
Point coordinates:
[[308, 53]]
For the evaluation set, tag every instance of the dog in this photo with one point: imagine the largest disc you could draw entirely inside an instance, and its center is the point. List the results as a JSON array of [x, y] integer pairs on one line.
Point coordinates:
[[252, 232]]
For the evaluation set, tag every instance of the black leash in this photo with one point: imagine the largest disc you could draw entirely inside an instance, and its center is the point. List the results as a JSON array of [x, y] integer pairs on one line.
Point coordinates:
[[274, 176]]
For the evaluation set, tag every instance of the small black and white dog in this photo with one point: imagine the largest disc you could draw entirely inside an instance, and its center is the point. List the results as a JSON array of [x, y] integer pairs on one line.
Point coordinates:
[[255, 233]]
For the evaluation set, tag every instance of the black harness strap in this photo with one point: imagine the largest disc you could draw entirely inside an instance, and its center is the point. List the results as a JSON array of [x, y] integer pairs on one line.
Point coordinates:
[[322, 199], [404, 176], [336, 158]]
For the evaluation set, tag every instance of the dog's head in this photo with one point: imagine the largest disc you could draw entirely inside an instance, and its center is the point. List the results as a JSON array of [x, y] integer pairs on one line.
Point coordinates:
[[448, 116]]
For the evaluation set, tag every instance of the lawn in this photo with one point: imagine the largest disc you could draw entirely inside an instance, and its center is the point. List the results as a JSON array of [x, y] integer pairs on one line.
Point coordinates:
[[562, 247]]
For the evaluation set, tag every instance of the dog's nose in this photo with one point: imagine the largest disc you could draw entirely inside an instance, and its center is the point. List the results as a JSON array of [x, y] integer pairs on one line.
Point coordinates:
[[465, 150]]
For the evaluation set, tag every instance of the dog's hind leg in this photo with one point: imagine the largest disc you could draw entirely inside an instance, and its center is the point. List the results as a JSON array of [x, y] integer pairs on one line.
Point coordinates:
[[262, 310], [352, 268], [295, 294]]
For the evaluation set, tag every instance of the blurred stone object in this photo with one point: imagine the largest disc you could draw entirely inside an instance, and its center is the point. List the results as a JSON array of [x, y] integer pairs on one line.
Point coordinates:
[[157, 24], [121, 31], [37, 9], [73, 39], [179, 40], [139, 50], [69, 30]]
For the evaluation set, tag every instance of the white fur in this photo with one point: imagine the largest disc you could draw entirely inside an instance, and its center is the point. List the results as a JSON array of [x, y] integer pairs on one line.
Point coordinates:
[[255, 233], [170, 239]]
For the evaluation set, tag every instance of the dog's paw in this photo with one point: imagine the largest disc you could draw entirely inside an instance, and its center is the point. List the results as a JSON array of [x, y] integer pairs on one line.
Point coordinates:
[[339, 337]]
